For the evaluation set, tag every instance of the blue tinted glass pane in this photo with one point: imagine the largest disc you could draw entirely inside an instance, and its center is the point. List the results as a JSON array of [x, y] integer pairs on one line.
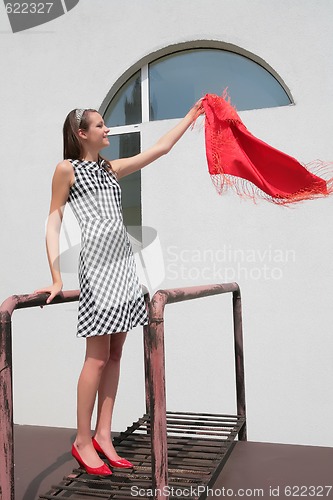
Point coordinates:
[[178, 80], [125, 107], [123, 146]]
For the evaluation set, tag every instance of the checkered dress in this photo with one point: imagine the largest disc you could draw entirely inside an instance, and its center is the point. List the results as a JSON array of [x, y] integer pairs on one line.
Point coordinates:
[[111, 298]]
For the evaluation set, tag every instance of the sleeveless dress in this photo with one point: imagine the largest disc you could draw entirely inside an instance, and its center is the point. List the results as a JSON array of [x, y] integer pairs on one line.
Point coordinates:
[[111, 298]]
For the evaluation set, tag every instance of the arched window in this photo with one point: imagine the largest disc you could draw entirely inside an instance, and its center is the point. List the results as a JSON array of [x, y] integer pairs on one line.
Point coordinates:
[[167, 87]]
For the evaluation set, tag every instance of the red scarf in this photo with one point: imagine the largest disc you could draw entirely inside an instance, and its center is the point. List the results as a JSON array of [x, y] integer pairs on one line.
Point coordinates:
[[238, 159]]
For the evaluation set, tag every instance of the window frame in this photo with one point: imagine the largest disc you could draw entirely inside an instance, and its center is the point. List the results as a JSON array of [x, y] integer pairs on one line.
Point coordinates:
[[136, 127]]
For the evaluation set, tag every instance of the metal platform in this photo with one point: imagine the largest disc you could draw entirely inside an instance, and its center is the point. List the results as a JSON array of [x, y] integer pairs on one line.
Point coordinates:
[[198, 447]]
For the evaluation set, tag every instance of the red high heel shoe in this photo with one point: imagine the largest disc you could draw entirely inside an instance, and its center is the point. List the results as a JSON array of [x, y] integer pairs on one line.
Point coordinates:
[[121, 463], [103, 470]]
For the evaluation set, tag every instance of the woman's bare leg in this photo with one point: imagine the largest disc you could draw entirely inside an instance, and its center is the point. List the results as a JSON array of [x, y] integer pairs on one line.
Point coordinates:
[[96, 360], [107, 393]]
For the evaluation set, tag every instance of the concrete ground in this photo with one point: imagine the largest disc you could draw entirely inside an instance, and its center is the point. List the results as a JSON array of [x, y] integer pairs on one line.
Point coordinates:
[[266, 470]]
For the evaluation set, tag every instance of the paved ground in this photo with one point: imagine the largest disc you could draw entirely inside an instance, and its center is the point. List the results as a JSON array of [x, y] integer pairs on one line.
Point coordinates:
[[42, 457], [264, 470]]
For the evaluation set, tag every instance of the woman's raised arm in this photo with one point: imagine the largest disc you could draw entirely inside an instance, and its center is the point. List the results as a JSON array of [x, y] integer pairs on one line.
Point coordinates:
[[126, 166]]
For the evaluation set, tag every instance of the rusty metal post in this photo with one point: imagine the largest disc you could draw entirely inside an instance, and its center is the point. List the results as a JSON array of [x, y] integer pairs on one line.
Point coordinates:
[[6, 395], [6, 410], [239, 360], [146, 358], [157, 395]]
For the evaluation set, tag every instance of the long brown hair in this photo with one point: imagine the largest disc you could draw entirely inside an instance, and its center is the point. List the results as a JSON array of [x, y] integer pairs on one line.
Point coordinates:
[[72, 144]]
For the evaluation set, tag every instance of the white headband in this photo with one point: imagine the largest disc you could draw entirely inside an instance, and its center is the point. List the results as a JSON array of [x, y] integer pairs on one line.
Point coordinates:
[[78, 115]]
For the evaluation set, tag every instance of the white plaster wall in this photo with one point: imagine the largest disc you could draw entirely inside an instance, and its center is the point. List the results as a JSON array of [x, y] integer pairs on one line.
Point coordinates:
[[72, 62]]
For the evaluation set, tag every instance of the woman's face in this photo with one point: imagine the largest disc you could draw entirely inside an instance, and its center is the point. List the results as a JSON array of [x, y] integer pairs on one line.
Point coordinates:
[[96, 136]]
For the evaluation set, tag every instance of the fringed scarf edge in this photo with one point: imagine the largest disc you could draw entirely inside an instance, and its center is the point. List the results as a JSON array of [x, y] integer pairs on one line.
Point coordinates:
[[248, 190]]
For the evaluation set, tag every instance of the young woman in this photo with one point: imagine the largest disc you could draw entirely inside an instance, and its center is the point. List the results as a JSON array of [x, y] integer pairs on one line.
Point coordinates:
[[111, 300]]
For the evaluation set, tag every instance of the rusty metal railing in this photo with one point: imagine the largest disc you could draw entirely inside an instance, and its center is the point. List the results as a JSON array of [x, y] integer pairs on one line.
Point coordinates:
[[154, 373], [155, 370]]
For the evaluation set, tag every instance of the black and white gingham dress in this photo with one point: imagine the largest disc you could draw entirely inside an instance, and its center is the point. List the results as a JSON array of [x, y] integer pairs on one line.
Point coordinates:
[[111, 298]]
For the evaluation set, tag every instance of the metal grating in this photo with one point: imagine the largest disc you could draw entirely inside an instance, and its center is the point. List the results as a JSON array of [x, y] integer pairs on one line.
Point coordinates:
[[198, 447]]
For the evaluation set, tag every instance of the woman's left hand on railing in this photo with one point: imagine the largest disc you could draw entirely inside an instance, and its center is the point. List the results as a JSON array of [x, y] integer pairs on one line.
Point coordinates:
[[53, 290]]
